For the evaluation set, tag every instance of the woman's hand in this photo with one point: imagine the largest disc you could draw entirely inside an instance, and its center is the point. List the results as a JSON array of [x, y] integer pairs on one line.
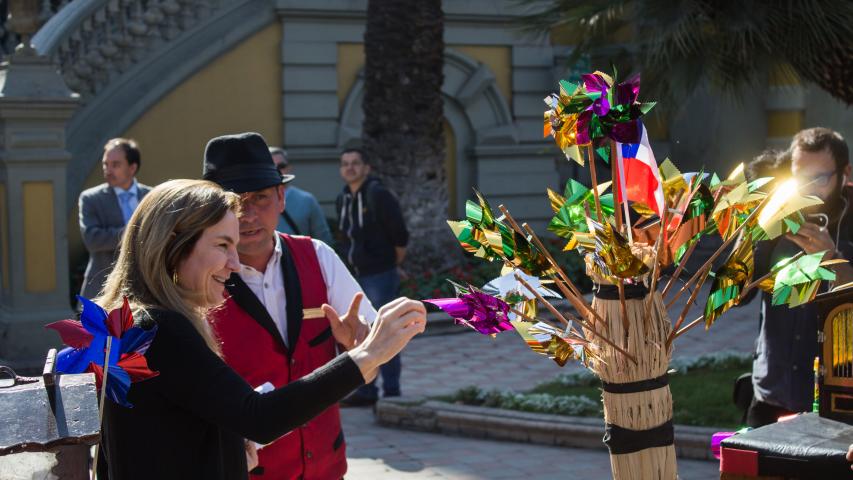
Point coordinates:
[[850, 455], [350, 330], [396, 324], [251, 455]]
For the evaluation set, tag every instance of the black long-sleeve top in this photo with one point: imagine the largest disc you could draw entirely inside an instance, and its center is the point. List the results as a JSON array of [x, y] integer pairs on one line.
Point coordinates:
[[190, 421]]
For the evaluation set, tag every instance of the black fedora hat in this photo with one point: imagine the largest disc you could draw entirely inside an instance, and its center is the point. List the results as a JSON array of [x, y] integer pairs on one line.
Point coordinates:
[[241, 163]]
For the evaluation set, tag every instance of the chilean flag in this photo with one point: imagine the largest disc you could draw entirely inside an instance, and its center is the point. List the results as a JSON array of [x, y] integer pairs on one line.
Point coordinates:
[[641, 179]]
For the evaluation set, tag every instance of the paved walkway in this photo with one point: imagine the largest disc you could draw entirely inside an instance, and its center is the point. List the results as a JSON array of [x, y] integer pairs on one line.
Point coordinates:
[[435, 365]]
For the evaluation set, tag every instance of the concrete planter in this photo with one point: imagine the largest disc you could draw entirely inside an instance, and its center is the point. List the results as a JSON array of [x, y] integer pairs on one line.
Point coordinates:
[[499, 424]]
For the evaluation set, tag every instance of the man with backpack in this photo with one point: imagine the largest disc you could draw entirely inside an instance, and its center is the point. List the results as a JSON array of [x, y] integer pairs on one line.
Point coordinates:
[[372, 240]]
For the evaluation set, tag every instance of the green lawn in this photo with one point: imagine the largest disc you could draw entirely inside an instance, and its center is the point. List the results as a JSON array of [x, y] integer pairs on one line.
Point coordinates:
[[701, 397]]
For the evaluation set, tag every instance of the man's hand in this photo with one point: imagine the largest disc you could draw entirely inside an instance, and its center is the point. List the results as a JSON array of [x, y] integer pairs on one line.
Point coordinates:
[[813, 239], [350, 330]]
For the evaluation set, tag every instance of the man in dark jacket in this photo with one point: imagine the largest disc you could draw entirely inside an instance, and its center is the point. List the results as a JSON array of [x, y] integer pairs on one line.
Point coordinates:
[[372, 240], [782, 376]]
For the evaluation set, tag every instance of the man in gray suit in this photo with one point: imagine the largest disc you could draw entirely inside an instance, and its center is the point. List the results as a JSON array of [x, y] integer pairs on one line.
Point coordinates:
[[105, 210]]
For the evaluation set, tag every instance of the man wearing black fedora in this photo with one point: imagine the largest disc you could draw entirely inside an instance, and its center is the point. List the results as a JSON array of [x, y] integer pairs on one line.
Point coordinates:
[[271, 326]]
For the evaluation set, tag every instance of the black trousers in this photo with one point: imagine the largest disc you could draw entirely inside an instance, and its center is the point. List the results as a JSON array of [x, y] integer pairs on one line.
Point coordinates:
[[762, 413]]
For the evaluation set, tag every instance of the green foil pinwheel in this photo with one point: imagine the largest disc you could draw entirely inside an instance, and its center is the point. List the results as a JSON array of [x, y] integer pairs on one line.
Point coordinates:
[[484, 235], [730, 280], [571, 209], [796, 282]]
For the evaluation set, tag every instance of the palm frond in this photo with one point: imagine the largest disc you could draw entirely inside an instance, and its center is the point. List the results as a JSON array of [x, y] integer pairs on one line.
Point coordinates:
[[683, 44]]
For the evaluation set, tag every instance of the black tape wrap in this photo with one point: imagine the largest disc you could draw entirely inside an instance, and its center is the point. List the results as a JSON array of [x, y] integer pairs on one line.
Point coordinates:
[[620, 440], [623, 440], [636, 387], [611, 292]]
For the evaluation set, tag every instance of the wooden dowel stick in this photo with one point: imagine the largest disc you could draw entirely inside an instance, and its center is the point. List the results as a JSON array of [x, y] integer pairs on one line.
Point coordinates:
[[655, 272], [623, 311], [620, 283], [618, 174], [590, 153], [537, 319], [529, 232], [529, 319], [725, 245], [562, 274], [688, 327], [574, 296], [687, 306], [678, 269], [560, 316], [101, 402], [593, 317]]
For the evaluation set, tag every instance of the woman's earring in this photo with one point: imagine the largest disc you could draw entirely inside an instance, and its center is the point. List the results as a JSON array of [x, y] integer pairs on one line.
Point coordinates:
[[175, 277]]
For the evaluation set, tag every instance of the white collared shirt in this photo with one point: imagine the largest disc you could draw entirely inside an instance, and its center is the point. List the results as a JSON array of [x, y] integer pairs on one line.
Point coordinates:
[[133, 201], [340, 285]]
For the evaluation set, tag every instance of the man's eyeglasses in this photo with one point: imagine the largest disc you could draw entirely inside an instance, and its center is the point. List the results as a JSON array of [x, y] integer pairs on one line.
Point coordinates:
[[819, 180]]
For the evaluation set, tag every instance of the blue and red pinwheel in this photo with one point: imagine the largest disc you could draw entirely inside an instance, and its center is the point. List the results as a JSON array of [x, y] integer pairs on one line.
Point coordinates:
[[87, 347]]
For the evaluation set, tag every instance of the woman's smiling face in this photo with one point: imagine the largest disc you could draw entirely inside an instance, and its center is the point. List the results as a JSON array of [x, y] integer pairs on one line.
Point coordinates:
[[212, 260]]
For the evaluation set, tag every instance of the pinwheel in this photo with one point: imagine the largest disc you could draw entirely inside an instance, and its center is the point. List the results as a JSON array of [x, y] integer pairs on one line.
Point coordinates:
[[487, 237], [674, 184], [626, 333], [572, 208], [730, 280], [594, 112], [560, 346], [614, 111], [610, 252], [87, 340], [796, 282], [484, 313], [692, 222], [509, 289], [775, 217]]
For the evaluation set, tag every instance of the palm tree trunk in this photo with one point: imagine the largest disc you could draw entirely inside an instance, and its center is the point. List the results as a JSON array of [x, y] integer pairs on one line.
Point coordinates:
[[403, 116]]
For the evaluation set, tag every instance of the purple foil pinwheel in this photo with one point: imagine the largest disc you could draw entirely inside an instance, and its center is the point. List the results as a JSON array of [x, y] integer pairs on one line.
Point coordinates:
[[484, 313], [614, 111], [596, 83], [87, 345]]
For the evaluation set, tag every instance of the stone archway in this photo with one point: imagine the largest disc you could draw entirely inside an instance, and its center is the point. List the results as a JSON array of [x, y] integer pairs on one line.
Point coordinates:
[[473, 106]]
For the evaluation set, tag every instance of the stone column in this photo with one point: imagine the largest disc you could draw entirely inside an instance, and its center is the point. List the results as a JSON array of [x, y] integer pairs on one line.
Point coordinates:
[[35, 105]]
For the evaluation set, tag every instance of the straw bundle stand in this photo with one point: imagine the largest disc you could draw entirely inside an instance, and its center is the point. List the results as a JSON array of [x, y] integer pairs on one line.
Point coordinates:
[[637, 399]]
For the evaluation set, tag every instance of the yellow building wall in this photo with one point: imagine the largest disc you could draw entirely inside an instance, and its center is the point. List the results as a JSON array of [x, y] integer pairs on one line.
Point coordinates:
[[39, 238], [497, 58], [350, 61], [239, 91], [784, 123]]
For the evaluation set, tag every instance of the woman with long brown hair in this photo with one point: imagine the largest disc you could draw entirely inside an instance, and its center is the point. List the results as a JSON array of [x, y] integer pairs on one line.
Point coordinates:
[[191, 421]]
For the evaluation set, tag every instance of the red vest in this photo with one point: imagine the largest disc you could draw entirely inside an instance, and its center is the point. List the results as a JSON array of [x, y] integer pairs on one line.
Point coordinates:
[[252, 346]]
